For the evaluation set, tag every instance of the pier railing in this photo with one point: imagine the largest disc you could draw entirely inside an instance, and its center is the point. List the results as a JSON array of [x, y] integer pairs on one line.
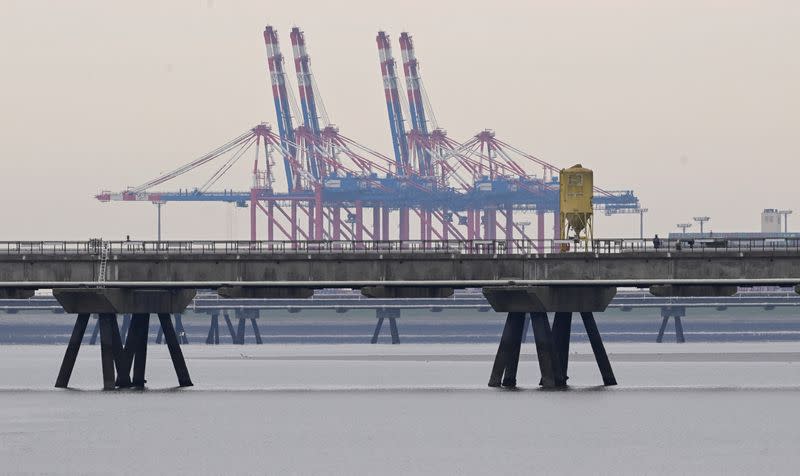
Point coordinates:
[[464, 247]]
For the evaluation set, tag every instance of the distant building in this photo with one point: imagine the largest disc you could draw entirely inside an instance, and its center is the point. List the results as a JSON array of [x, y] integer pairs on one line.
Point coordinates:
[[771, 221]]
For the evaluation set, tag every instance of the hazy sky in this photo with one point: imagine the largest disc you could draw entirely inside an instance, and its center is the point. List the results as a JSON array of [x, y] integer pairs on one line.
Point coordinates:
[[693, 104]]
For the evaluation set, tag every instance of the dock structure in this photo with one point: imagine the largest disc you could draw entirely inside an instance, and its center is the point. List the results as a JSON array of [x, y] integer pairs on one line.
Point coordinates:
[[162, 278]]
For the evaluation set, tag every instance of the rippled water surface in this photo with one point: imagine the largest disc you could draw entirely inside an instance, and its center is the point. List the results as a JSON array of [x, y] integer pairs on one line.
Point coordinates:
[[424, 409]]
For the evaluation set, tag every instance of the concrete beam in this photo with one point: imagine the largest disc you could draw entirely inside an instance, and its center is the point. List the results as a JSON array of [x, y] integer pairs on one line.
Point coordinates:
[[121, 301], [683, 290], [240, 292], [15, 293], [549, 298], [395, 292]]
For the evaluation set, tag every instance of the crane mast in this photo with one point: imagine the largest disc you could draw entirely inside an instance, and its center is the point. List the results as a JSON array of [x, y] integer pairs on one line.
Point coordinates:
[[390, 87], [280, 94]]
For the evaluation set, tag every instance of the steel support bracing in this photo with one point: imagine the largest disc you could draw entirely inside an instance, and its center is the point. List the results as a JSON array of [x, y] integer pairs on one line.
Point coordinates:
[[213, 329], [392, 315], [175, 350], [117, 361], [377, 331], [676, 313], [506, 361], [660, 336], [256, 330], [240, 333], [229, 324], [598, 348], [679, 329], [549, 360], [562, 324], [71, 353]]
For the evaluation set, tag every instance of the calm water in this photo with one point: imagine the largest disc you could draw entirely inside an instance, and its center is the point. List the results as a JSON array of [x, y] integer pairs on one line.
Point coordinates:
[[452, 327], [410, 409]]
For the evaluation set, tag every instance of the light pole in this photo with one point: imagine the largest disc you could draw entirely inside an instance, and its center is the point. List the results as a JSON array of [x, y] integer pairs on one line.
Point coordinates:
[[684, 226], [158, 214], [701, 220], [785, 214], [642, 211]]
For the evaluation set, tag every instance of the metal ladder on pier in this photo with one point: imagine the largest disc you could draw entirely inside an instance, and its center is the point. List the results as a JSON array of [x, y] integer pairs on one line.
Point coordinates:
[[104, 252]]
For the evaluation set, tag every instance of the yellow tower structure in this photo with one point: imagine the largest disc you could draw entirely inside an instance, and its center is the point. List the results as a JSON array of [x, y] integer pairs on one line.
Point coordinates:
[[576, 189]]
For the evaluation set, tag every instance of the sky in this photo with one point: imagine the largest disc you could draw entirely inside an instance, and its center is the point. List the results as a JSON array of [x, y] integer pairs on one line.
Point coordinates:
[[695, 105]]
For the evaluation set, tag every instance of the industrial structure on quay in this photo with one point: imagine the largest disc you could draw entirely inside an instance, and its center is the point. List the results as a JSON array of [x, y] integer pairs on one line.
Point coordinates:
[[312, 182]]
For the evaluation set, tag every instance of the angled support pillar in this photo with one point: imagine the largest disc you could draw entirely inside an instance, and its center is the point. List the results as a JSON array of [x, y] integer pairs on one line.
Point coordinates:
[[240, 334], [393, 329], [506, 361], [118, 360], [549, 361], [213, 328], [73, 348], [231, 330], [106, 322], [552, 344], [136, 348], [256, 330], [392, 315], [377, 330], [598, 348], [678, 329], [123, 378], [175, 350], [160, 335], [562, 325], [660, 336]]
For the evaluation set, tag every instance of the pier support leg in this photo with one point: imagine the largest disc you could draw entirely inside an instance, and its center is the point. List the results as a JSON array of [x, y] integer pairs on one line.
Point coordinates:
[[392, 315], [598, 348], [230, 326], [241, 331], [175, 350], [562, 325], [549, 362], [256, 330], [377, 331], [660, 336], [71, 354], [95, 332], [137, 348], [106, 322], [393, 328], [213, 328], [506, 361], [678, 329]]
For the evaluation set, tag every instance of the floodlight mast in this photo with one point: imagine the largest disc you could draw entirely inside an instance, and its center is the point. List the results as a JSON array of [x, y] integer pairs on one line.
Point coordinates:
[[701, 220], [785, 214], [684, 226]]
